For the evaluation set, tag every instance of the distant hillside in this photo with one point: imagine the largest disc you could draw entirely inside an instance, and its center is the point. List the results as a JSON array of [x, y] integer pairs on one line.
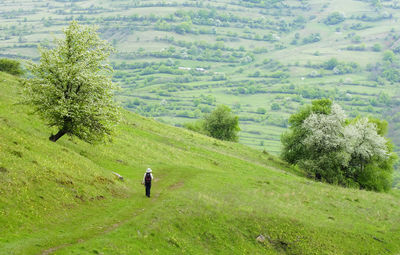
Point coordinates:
[[177, 59], [208, 196]]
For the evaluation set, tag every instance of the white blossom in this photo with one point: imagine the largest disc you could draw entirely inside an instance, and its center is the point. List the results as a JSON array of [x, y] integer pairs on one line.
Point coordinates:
[[363, 140], [325, 132]]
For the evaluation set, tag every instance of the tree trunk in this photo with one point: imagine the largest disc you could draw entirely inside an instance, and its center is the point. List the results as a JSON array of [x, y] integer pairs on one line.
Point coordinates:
[[57, 136]]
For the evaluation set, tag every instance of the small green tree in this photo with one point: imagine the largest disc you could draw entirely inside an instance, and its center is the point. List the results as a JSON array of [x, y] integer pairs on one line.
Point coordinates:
[[71, 87], [222, 124], [389, 56]]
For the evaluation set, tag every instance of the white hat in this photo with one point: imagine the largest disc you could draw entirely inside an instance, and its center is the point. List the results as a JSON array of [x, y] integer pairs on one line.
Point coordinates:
[[148, 170]]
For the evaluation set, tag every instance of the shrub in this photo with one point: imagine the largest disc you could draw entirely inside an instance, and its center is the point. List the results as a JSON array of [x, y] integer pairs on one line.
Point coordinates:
[[275, 107], [334, 18], [330, 64], [11, 66], [261, 110], [312, 38], [377, 47]]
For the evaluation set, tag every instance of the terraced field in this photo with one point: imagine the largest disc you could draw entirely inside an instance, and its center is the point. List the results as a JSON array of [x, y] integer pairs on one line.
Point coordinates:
[[177, 60]]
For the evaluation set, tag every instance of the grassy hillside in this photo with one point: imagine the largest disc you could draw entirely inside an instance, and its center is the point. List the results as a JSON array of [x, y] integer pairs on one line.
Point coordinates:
[[208, 196]]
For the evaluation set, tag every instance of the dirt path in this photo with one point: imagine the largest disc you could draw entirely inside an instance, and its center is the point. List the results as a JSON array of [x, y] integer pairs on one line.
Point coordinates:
[[176, 186], [110, 228], [53, 249], [106, 230]]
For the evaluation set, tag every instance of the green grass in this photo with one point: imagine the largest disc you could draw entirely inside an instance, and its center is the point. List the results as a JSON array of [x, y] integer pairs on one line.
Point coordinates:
[[209, 196]]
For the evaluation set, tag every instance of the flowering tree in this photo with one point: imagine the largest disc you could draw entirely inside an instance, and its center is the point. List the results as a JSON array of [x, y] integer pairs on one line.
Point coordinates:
[[71, 87], [336, 150]]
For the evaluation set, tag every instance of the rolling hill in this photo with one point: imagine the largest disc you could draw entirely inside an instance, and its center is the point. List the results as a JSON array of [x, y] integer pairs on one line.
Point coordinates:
[[209, 196]]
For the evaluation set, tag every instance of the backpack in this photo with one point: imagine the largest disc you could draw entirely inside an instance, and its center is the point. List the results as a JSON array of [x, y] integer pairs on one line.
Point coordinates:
[[147, 179]]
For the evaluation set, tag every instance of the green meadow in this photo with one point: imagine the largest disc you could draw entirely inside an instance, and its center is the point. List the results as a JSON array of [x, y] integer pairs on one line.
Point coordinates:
[[208, 196]]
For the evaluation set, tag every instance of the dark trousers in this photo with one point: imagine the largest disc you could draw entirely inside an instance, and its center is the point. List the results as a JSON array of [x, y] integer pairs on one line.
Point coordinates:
[[148, 187]]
